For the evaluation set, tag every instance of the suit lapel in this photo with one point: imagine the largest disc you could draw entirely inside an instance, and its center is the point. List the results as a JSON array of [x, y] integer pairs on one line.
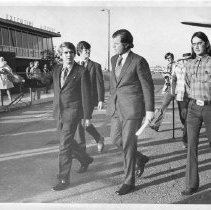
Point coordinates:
[[71, 75], [125, 67], [113, 67], [89, 65]]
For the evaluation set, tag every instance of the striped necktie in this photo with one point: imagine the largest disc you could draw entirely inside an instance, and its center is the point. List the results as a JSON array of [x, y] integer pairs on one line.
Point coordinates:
[[64, 76], [118, 66]]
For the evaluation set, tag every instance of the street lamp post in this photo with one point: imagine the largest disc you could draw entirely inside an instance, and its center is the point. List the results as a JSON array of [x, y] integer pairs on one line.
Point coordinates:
[[108, 12]]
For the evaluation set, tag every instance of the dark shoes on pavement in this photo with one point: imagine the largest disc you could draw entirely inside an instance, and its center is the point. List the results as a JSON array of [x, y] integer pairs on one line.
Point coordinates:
[[61, 185], [189, 191], [125, 189], [141, 166], [154, 127], [85, 166]]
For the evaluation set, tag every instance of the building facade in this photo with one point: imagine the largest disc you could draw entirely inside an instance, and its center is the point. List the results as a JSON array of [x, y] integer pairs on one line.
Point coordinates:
[[21, 43]]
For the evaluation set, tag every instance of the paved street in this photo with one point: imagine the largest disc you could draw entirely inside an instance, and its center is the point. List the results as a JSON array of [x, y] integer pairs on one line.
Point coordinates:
[[28, 162]]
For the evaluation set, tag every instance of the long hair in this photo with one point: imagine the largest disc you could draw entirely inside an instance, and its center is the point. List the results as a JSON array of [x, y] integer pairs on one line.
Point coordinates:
[[204, 38]]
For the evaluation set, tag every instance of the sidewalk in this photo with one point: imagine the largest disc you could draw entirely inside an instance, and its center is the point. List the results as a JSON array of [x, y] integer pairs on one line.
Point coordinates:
[[25, 100], [27, 176]]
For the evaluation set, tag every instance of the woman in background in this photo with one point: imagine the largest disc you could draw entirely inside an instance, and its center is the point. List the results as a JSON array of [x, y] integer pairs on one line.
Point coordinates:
[[5, 83]]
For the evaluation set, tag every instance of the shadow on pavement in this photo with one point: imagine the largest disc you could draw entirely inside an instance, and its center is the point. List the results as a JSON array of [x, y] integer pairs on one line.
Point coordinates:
[[198, 198]]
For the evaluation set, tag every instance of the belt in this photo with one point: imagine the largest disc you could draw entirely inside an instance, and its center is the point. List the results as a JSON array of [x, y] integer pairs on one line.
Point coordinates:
[[201, 103]]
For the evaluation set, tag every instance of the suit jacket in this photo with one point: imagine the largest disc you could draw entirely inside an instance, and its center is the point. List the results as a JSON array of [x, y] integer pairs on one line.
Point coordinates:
[[97, 83], [133, 92], [72, 101]]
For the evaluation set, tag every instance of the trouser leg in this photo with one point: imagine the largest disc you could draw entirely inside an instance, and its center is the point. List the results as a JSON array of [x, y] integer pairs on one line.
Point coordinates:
[[182, 105], [93, 131], [123, 136], [67, 147], [129, 140], [80, 135], [194, 123], [166, 101], [207, 120]]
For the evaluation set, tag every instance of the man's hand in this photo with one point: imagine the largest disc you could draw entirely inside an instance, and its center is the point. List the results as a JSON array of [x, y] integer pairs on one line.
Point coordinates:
[[87, 122], [149, 116], [100, 105]]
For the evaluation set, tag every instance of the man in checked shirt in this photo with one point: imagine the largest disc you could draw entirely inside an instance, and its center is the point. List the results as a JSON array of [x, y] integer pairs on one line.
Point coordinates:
[[198, 83]]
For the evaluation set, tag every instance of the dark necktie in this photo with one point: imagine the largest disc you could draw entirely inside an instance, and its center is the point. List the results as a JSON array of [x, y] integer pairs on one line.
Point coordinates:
[[118, 66], [64, 75]]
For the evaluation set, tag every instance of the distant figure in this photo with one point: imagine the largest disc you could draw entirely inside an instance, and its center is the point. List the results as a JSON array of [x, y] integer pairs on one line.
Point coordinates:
[[45, 69], [167, 93], [5, 83], [46, 74], [198, 83], [97, 94], [180, 92], [28, 69], [132, 98], [35, 73]]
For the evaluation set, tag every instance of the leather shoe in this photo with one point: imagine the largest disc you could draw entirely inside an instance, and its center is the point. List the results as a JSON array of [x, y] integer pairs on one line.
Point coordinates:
[[189, 191], [141, 166], [125, 189], [100, 145], [154, 128], [85, 166], [61, 185]]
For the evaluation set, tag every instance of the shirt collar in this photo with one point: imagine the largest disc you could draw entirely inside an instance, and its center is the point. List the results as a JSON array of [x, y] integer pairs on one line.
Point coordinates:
[[124, 56], [69, 66], [203, 58], [85, 61]]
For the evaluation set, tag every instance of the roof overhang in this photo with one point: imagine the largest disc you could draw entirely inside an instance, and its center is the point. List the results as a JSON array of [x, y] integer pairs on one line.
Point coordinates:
[[20, 26]]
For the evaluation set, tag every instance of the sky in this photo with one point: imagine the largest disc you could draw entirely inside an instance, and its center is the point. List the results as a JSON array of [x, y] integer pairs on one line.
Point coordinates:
[[155, 25]]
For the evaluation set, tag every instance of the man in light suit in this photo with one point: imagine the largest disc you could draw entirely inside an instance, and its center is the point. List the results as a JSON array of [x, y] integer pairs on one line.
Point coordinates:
[[132, 98], [71, 103], [97, 94]]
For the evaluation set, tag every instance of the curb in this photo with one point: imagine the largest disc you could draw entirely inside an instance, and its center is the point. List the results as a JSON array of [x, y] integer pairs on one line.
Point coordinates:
[[21, 105]]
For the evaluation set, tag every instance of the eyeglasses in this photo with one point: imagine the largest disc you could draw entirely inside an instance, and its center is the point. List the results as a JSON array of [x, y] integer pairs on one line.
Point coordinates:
[[197, 44]]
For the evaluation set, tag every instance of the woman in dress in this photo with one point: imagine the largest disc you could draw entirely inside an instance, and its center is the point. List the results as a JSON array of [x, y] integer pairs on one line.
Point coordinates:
[[5, 83]]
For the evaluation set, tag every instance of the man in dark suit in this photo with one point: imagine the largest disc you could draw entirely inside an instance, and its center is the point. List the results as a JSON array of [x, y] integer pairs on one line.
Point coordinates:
[[97, 94], [71, 103], [132, 98]]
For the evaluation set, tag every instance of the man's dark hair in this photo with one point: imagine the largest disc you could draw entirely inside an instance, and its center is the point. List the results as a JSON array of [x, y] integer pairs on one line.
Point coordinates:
[[126, 37], [82, 45], [68, 45], [169, 54], [204, 38]]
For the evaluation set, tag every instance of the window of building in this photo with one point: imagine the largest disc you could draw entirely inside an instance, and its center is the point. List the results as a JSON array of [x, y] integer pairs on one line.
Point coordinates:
[[50, 45], [40, 44], [30, 41], [35, 41], [45, 46], [1, 37], [19, 39], [5, 36], [12, 38], [24, 40]]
